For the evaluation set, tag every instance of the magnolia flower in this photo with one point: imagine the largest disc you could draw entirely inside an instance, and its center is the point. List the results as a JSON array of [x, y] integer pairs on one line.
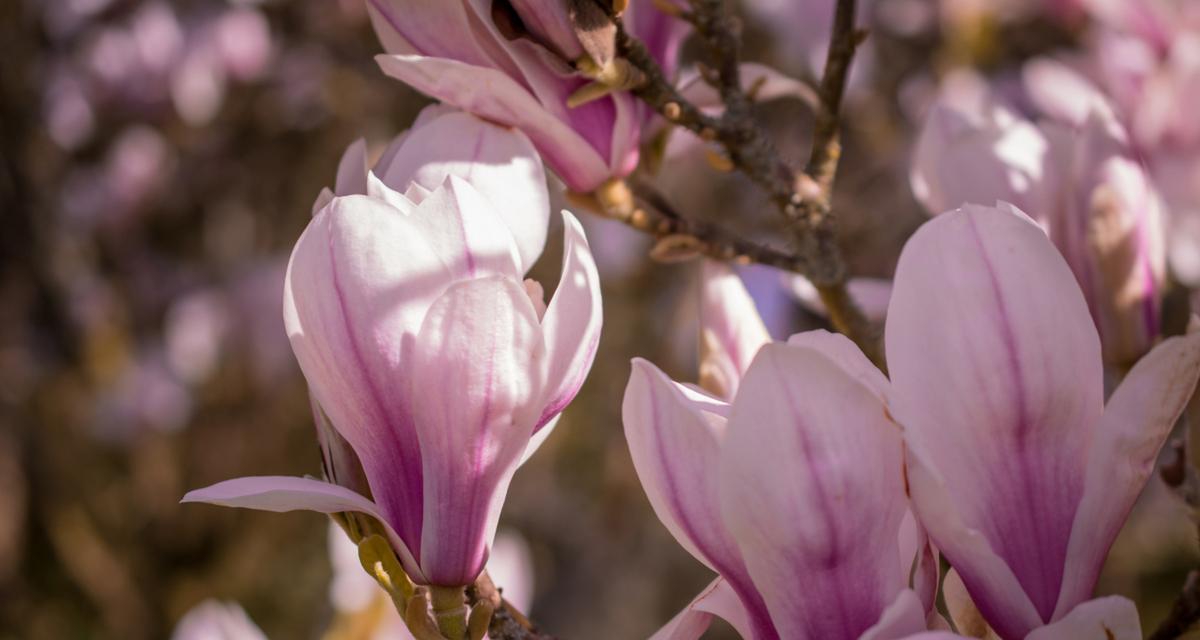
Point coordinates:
[[803, 517], [809, 551], [1081, 184], [512, 63], [406, 309], [1018, 471]]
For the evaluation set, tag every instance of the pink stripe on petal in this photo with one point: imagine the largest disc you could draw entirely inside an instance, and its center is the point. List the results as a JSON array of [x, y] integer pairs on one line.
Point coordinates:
[[812, 489], [996, 377], [476, 375]]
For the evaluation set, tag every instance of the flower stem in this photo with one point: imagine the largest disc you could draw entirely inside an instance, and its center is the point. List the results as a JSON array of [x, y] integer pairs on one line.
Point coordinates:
[[450, 611]]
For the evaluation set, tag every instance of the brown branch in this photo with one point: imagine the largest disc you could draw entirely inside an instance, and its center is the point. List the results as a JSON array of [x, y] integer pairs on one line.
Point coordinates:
[[639, 205], [803, 199], [1185, 613], [507, 622]]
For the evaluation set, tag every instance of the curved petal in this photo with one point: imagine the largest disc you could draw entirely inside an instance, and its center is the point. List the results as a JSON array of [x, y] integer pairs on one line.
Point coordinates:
[[358, 283], [286, 493], [549, 22], [990, 582], [963, 157], [1110, 618], [489, 93], [903, 617], [1062, 93], [717, 599], [731, 331], [812, 489], [572, 322], [996, 377], [843, 352], [432, 27], [465, 231], [1136, 422], [675, 436], [478, 368], [500, 163]]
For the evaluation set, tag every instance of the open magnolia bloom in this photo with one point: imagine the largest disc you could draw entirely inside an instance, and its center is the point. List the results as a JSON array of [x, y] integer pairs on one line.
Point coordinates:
[[430, 356], [1081, 184], [813, 550], [515, 62], [1017, 469]]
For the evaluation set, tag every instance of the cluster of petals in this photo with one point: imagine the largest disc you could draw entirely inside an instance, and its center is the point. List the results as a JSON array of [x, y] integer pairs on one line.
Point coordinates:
[[791, 477], [514, 64], [422, 344], [1082, 183]]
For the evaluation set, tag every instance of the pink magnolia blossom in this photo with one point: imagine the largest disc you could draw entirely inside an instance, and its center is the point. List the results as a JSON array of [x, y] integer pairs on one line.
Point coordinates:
[[515, 66], [802, 551], [1019, 472], [1082, 184], [405, 306]]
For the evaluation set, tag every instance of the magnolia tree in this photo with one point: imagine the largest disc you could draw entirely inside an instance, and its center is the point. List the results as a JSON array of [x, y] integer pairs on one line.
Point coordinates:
[[955, 460]]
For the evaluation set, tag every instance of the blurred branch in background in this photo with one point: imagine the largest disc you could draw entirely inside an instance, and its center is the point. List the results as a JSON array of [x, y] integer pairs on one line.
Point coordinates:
[[801, 198]]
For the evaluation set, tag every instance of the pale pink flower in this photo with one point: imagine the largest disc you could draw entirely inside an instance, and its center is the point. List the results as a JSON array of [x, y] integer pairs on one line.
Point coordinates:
[[468, 55], [407, 312], [1019, 472]]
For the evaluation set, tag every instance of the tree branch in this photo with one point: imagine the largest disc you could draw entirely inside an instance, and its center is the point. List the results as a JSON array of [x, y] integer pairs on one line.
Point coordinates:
[[1184, 614], [507, 622], [801, 198]]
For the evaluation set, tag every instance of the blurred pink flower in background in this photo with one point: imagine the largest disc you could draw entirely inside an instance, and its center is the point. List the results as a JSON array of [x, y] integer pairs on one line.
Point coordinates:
[[467, 55], [1083, 185]]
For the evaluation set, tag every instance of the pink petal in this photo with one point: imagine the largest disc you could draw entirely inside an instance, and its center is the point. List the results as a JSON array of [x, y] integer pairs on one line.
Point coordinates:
[[812, 489], [996, 376], [843, 352], [978, 157], [489, 93], [353, 264], [991, 582], [675, 436], [718, 599], [904, 616], [731, 331], [549, 22], [477, 372], [500, 163], [431, 27], [1124, 446], [1110, 618], [1062, 93], [466, 232], [572, 322], [285, 493]]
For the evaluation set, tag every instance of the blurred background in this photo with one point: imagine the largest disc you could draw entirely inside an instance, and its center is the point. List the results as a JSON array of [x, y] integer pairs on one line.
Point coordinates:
[[157, 161]]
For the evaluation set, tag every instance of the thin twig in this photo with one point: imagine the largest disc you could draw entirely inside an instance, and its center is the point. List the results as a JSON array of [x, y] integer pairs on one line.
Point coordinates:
[[802, 198], [1185, 613], [507, 622]]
